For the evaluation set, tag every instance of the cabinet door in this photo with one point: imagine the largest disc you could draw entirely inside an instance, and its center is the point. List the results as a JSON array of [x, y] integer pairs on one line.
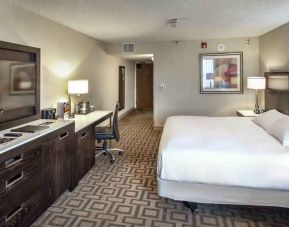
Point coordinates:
[[57, 166], [85, 151], [49, 172], [64, 157]]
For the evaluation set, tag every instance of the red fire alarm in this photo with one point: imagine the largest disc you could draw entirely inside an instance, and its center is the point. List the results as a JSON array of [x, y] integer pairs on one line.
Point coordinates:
[[204, 45]]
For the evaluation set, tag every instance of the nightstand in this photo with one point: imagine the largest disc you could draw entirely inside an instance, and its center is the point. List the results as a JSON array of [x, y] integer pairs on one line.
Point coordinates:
[[246, 113]]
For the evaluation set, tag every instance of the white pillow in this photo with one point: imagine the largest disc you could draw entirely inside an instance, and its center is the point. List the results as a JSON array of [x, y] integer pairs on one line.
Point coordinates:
[[280, 130], [268, 118]]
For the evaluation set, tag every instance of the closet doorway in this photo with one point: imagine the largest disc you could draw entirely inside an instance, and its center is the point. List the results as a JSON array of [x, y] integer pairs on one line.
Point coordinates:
[[121, 87]]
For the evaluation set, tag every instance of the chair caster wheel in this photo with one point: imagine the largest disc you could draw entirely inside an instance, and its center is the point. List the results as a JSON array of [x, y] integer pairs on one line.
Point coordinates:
[[111, 161], [120, 152]]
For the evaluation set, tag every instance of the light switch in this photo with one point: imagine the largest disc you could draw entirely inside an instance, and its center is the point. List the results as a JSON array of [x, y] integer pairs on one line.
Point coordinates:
[[163, 86]]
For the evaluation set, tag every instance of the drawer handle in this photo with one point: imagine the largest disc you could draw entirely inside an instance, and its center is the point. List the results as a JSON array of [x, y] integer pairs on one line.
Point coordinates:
[[63, 135], [13, 180], [83, 135], [14, 212], [12, 161]]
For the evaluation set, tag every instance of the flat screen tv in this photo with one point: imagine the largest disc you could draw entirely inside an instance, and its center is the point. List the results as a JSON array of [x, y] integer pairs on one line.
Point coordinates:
[[19, 84]]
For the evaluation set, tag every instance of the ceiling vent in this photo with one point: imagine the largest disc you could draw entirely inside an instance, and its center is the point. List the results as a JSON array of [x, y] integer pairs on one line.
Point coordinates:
[[128, 48], [175, 22]]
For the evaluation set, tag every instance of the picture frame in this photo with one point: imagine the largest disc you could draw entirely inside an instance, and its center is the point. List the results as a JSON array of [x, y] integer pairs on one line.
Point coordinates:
[[221, 73], [22, 78]]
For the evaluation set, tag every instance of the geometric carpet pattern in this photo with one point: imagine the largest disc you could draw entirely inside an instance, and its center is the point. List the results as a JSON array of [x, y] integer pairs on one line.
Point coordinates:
[[125, 193]]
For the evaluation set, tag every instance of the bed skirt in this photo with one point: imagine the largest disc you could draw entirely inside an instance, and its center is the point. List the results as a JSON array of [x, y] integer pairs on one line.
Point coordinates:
[[215, 194]]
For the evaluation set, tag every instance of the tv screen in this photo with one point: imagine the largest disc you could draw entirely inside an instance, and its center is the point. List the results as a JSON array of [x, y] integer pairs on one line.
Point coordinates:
[[19, 84], [17, 87]]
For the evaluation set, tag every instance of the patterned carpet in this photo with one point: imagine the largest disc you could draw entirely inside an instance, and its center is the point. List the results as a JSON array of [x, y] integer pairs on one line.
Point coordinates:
[[125, 193]]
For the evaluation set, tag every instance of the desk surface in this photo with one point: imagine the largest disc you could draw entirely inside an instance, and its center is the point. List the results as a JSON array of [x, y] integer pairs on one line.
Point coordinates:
[[27, 137], [95, 117], [80, 121]]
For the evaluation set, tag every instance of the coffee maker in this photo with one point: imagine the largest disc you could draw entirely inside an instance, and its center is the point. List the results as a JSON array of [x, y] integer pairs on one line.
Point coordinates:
[[82, 108]]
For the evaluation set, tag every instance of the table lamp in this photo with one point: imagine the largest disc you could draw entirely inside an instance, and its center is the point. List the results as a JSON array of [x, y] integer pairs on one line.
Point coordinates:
[[257, 83], [76, 87]]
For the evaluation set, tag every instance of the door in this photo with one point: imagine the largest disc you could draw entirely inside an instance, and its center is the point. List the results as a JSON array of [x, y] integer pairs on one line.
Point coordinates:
[[144, 85], [121, 87]]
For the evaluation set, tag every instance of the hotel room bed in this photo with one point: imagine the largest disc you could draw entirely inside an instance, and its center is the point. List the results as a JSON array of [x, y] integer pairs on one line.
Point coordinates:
[[223, 160], [229, 160]]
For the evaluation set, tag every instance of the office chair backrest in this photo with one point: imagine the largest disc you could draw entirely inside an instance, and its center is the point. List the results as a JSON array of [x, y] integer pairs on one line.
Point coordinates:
[[115, 123]]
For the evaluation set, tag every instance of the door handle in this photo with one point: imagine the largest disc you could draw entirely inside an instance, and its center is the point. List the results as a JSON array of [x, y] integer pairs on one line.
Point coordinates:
[[83, 135], [14, 212], [12, 161], [13, 180], [63, 135]]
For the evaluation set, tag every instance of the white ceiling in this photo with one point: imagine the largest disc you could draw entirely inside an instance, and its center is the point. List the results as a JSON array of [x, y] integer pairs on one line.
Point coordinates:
[[146, 20]]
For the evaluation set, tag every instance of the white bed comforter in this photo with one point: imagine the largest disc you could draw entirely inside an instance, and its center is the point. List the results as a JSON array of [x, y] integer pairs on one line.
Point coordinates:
[[229, 151]]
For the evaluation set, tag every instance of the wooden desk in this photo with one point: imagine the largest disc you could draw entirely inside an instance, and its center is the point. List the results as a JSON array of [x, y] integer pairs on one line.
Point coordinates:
[[40, 166], [37, 168], [85, 141], [93, 118]]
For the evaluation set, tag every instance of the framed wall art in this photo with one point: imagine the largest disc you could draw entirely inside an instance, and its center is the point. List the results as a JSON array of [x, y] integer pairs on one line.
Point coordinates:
[[222, 73]]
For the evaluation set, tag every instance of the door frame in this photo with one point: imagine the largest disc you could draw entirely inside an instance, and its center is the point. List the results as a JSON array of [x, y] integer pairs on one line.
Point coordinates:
[[120, 68]]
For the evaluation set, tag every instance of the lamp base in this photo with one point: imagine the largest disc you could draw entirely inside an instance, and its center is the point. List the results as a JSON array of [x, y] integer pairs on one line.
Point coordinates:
[[71, 116], [258, 111]]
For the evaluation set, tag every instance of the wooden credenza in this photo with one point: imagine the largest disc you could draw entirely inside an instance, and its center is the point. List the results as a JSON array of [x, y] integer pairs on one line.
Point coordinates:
[[38, 169], [34, 175]]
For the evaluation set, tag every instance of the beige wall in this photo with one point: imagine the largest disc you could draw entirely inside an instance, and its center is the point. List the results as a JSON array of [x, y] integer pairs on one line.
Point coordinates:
[[274, 50], [67, 54], [177, 65]]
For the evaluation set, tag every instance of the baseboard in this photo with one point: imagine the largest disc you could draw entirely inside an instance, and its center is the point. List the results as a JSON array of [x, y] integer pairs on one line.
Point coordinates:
[[144, 109], [126, 113], [159, 128]]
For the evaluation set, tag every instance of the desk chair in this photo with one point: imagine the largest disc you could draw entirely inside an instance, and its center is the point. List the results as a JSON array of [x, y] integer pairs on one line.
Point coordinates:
[[106, 134]]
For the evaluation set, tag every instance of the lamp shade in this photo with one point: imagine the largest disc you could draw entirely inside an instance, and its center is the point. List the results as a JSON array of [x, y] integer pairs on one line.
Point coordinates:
[[256, 82], [78, 87]]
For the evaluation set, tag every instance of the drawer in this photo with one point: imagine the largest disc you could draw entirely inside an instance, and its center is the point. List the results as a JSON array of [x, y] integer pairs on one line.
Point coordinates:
[[19, 159], [17, 179], [23, 212]]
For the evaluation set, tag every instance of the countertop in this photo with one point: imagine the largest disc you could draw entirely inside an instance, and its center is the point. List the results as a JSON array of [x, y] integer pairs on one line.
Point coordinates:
[[80, 121], [27, 137]]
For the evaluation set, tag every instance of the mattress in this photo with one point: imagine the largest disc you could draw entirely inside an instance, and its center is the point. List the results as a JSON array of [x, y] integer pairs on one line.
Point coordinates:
[[230, 151]]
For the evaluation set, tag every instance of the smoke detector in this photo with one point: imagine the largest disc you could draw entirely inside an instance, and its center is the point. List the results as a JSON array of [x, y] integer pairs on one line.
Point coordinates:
[[174, 22]]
